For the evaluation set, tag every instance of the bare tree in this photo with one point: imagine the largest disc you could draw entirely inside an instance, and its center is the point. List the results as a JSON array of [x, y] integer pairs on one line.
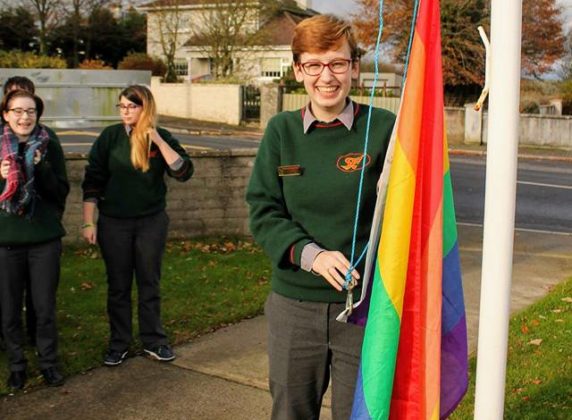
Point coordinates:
[[166, 21], [229, 26], [76, 11], [45, 11]]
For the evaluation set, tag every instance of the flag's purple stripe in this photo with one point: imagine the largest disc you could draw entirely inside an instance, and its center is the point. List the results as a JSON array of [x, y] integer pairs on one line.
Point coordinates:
[[454, 369], [359, 314], [359, 410], [453, 306]]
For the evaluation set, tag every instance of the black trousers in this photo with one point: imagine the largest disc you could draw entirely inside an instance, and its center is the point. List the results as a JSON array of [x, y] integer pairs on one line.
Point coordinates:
[[40, 263], [134, 246]]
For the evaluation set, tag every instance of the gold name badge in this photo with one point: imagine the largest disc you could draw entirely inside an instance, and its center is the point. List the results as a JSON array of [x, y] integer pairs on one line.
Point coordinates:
[[290, 170]]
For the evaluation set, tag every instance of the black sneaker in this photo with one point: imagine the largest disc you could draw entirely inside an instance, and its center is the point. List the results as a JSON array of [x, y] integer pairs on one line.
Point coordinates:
[[114, 358], [52, 376], [17, 379], [163, 353]]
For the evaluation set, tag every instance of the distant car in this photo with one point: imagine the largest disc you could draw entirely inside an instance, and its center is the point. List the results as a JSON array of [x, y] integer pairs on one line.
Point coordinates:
[[202, 78]]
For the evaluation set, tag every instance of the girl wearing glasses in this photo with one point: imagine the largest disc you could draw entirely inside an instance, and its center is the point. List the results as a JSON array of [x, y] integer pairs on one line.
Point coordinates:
[[302, 197], [34, 187], [124, 179]]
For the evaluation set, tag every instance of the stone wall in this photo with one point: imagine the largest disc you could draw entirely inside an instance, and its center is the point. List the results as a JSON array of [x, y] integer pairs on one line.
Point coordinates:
[[201, 101], [76, 98], [210, 203]]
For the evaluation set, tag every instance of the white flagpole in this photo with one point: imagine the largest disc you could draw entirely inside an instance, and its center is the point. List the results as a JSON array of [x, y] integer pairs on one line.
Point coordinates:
[[500, 197]]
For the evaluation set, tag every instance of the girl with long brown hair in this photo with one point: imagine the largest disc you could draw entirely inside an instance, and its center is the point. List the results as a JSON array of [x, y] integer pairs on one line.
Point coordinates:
[[124, 179]]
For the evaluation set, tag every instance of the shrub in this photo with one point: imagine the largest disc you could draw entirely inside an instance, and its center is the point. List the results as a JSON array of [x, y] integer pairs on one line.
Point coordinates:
[[94, 64], [142, 61], [567, 97], [530, 107], [29, 60]]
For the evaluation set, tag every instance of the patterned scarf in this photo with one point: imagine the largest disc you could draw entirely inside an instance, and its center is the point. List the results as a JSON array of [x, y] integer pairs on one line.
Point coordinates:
[[19, 194]]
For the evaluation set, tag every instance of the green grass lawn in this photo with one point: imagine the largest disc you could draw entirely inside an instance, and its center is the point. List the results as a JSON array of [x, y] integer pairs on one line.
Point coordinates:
[[205, 285], [539, 369]]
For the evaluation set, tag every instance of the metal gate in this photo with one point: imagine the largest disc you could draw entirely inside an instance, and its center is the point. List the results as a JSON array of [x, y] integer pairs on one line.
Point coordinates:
[[250, 103]]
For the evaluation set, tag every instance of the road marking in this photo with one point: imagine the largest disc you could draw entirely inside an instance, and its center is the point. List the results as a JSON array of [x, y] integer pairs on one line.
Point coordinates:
[[516, 252], [549, 232], [77, 133], [188, 146], [538, 184]]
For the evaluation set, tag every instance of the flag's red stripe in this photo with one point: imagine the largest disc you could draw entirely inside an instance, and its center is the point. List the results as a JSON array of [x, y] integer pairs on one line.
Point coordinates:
[[413, 396]]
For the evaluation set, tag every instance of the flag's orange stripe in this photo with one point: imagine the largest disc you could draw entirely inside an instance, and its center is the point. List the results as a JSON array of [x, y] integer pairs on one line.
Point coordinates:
[[433, 256], [409, 128]]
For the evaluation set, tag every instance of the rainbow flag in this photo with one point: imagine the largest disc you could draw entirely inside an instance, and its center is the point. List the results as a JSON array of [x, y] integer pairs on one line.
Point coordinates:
[[414, 355]]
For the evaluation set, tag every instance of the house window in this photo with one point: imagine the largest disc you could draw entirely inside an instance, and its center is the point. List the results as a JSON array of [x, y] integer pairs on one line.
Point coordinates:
[[181, 67], [271, 67]]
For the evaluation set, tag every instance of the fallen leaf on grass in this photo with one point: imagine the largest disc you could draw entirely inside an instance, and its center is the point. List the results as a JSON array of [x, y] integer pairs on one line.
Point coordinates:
[[536, 342], [567, 299], [524, 329], [230, 246], [86, 285], [536, 381], [535, 322], [559, 320]]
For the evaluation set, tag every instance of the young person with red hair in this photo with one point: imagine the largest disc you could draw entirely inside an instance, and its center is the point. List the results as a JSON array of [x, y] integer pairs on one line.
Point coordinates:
[[302, 196], [124, 179]]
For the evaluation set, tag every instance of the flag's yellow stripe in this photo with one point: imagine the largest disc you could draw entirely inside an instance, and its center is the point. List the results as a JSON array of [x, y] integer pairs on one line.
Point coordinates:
[[393, 252]]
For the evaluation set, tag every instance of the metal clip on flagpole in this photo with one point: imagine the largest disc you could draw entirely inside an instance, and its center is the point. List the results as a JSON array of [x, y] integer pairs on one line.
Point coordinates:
[[485, 91]]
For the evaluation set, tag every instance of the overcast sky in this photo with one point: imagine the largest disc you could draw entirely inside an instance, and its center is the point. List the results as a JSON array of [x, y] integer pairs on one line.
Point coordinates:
[[344, 7]]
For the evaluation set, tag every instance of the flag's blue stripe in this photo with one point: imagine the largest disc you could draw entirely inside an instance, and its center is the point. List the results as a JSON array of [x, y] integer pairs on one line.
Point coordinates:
[[359, 410], [453, 303]]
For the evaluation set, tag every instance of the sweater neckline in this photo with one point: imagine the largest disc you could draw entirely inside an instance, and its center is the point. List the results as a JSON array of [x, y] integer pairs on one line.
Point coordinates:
[[335, 122]]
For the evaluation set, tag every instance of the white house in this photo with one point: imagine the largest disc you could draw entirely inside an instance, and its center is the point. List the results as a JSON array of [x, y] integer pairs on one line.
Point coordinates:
[[268, 59]]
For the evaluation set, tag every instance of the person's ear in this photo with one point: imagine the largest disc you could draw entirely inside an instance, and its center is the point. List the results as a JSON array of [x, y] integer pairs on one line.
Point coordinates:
[[355, 68], [298, 72]]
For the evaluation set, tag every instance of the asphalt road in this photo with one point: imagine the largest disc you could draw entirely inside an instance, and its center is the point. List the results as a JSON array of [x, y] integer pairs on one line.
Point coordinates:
[[544, 190], [81, 140], [544, 194]]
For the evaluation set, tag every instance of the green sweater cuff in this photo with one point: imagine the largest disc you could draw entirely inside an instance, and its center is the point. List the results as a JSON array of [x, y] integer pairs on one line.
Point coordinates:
[[296, 251]]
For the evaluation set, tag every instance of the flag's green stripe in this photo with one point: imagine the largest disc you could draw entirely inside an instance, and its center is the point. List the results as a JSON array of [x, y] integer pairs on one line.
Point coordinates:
[[449, 222], [379, 350]]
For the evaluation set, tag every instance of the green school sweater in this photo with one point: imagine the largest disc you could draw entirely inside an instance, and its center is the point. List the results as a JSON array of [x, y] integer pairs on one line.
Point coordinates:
[[52, 188], [121, 190], [318, 202]]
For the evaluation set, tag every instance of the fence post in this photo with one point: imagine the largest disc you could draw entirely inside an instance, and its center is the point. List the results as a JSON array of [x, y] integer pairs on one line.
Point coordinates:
[[473, 124], [270, 102]]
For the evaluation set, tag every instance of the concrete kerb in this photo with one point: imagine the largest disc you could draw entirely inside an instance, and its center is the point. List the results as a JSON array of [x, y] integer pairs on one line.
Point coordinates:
[[527, 156], [213, 132]]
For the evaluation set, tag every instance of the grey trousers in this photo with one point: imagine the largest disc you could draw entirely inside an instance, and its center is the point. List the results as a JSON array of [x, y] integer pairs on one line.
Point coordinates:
[[133, 246], [307, 347], [40, 263]]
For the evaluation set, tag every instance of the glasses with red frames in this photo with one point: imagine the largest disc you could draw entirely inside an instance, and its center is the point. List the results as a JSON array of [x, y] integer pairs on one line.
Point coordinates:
[[337, 66]]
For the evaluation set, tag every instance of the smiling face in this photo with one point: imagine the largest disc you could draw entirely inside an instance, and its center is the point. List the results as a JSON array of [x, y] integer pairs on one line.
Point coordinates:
[[129, 111], [327, 91], [22, 125]]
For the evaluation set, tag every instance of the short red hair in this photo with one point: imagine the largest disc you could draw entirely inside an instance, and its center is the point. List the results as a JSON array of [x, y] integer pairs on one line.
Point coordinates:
[[322, 33]]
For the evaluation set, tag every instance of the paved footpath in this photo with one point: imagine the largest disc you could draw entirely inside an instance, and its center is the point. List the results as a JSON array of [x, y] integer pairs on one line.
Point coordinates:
[[223, 375]]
